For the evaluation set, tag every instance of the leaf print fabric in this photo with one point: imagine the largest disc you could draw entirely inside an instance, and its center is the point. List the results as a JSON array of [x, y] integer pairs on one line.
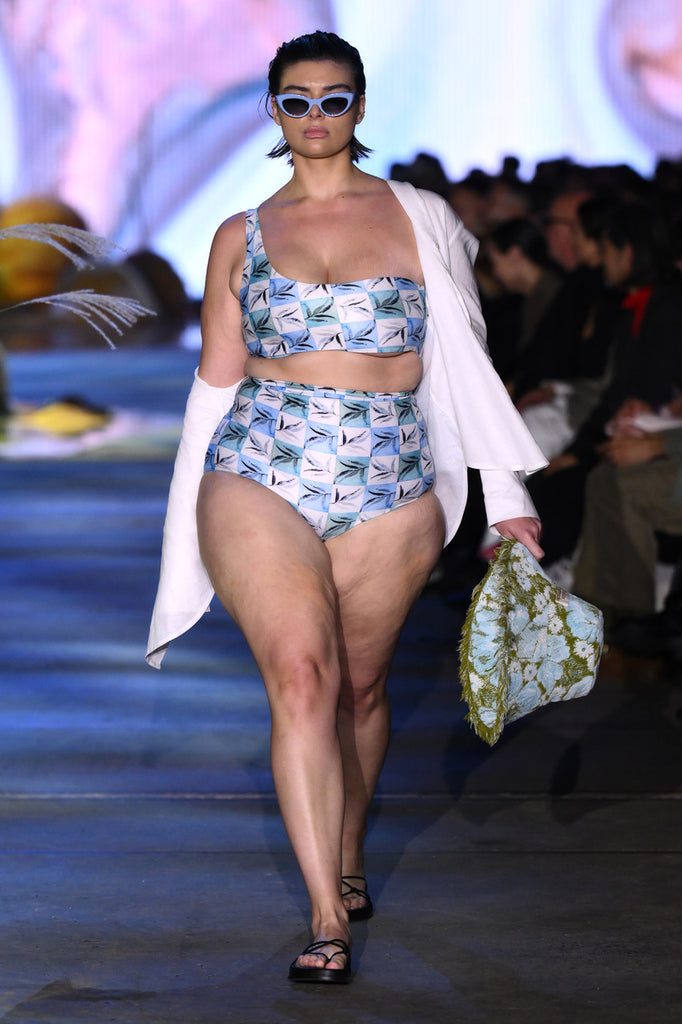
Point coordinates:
[[281, 317], [525, 643], [339, 457]]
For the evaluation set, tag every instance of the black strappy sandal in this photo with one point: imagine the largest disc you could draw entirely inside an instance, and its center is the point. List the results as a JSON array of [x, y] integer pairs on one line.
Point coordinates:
[[364, 912], [330, 975]]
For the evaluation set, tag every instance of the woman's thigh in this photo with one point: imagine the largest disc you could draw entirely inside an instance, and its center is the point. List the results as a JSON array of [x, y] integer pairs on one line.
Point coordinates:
[[379, 569], [270, 570]]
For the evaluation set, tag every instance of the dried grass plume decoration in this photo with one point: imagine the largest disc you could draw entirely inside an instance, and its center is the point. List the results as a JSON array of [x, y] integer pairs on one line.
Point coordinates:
[[104, 313]]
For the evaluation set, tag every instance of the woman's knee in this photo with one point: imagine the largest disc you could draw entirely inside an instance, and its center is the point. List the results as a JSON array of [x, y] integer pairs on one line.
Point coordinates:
[[361, 697], [301, 681]]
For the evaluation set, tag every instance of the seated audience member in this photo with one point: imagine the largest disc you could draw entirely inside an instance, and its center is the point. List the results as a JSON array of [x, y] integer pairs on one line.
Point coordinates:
[[646, 364], [508, 199], [473, 200], [560, 220], [635, 491], [470, 199], [560, 175], [582, 286], [583, 324], [520, 262]]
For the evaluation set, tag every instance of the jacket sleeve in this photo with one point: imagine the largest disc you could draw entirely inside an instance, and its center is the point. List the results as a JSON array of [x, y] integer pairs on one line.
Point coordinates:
[[185, 591], [505, 496]]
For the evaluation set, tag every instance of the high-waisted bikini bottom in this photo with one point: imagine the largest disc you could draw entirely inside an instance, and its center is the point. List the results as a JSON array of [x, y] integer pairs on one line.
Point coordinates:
[[339, 457]]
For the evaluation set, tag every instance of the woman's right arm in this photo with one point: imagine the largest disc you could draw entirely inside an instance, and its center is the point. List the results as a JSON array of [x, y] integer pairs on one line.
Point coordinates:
[[222, 349]]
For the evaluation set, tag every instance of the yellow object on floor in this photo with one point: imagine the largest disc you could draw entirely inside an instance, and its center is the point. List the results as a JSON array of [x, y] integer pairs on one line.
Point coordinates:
[[67, 419]]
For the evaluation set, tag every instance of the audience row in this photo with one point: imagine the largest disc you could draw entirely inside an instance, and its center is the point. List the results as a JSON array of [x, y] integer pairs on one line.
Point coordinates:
[[579, 274]]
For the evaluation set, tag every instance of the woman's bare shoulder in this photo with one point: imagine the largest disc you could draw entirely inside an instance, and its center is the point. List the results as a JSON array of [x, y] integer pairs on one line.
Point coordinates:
[[229, 247], [231, 233]]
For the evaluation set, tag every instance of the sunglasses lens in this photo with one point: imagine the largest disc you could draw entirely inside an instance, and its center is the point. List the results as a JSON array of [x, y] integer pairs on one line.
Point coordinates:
[[295, 107], [335, 105], [299, 106]]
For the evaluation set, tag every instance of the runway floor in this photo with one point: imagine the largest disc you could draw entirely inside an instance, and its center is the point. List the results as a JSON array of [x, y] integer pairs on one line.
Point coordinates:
[[144, 872]]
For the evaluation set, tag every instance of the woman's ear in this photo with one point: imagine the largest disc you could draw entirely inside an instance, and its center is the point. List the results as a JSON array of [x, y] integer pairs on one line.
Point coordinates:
[[361, 110], [276, 117]]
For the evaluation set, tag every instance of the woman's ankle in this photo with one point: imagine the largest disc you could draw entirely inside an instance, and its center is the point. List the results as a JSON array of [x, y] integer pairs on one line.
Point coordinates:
[[331, 925]]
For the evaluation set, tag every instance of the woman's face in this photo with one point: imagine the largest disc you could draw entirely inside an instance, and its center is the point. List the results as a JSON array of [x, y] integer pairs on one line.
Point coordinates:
[[317, 134], [506, 266], [588, 249], [617, 262]]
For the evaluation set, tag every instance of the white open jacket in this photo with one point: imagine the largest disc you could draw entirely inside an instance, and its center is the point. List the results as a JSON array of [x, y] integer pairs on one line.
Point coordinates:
[[469, 416]]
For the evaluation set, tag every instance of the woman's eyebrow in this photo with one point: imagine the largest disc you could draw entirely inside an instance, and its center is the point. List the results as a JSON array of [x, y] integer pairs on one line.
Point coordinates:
[[304, 88]]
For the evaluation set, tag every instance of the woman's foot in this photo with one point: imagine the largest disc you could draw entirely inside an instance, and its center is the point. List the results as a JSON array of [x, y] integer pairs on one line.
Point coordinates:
[[326, 960], [356, 899]]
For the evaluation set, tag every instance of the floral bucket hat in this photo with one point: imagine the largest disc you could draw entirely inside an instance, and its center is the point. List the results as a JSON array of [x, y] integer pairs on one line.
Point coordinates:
[[525, 642]]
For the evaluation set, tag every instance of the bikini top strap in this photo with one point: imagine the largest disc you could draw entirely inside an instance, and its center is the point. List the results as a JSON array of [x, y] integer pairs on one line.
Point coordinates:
[[254, 244]]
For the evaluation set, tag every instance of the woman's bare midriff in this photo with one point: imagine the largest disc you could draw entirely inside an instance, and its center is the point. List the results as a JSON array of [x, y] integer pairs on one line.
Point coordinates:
[[357, 371]]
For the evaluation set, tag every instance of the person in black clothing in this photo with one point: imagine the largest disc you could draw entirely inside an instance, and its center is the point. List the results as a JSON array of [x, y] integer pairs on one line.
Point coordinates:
[[555, 310], [581, 322], [588, 294], [560, 332], [646, 364], [520, 262]]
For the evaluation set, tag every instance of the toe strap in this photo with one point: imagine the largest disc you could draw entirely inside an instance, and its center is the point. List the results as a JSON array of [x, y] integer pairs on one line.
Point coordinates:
[[354, 890], [315, 949]]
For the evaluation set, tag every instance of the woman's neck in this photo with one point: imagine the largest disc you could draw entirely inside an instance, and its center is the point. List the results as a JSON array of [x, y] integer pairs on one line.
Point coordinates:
[[323, 180]]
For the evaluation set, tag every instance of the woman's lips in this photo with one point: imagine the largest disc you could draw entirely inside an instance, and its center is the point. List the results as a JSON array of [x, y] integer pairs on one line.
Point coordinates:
[[315, 133]]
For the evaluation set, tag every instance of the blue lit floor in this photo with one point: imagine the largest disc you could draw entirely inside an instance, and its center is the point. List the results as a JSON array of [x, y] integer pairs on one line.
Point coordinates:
[[144, 872]]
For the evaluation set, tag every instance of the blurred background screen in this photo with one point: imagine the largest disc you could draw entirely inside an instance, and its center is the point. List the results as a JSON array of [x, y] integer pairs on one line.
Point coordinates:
[[149, 119]]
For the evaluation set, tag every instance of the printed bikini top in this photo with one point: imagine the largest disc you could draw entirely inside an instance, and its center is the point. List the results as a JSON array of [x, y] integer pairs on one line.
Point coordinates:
[[281, 317]]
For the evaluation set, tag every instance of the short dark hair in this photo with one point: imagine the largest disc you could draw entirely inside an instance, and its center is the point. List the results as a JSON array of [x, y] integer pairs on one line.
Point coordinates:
[[642, 228], [524, 234], [425, 171], [317, 46], [593, 214]]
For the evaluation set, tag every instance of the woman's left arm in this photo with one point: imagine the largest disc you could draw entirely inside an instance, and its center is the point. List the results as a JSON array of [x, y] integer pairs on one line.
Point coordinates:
[[509, 508]]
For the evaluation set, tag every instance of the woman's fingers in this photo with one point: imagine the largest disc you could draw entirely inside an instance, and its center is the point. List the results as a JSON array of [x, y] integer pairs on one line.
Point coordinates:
[[525, 529]]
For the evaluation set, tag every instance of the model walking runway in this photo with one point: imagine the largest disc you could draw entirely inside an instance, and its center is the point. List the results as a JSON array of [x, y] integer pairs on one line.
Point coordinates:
[[144, 869]]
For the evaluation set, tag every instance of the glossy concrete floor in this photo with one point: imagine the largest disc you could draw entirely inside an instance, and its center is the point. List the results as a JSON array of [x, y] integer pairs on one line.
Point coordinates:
[[144, 872]]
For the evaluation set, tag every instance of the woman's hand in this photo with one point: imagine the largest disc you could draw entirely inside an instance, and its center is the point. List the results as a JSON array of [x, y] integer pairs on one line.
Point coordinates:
[[633, 451], [621, 425], [539, 396], [525, 529], [674, 408]]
